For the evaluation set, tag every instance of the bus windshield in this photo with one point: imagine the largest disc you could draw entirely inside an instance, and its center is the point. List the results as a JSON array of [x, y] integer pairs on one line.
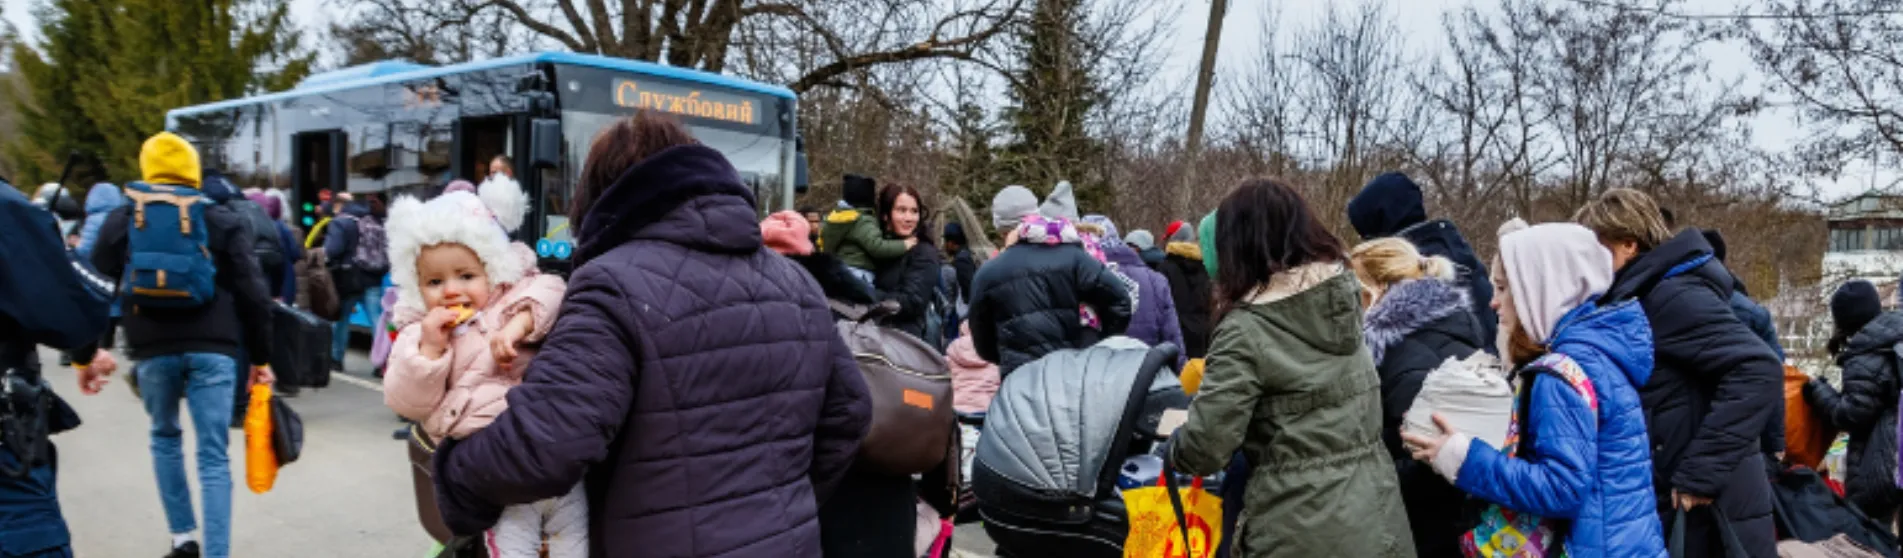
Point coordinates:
[[594, 98]]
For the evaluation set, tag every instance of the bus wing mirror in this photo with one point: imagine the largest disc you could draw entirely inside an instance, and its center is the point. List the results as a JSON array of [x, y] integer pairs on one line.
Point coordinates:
[[800, 183], [545, 143]]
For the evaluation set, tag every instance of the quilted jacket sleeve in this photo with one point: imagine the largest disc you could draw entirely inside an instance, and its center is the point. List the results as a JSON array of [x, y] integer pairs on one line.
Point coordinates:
[[413, 385], [865, 232], [1554, 479], [843, 421], [983, 320], [1172, 325], [1101, 288], [1225, 403], [1868, 383], [1700, 335], [539, 295], [560, 421]]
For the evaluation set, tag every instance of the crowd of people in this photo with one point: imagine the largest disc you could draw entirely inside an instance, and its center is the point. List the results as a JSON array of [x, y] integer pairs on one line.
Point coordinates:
[[685, 390]]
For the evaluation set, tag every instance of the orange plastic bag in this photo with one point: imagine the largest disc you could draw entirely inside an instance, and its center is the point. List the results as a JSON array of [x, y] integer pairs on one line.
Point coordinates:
[[1806, 437], [260, 460], [1153, 528], [1192, 376]]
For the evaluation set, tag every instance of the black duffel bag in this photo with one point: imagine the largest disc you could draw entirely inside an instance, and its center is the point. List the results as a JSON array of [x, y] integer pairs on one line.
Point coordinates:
[[300, 347], [1807, 510]]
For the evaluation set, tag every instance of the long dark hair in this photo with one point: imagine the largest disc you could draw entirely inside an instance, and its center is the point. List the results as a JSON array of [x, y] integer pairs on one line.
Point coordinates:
[[1265, 227], [621, 146], [889, 199]]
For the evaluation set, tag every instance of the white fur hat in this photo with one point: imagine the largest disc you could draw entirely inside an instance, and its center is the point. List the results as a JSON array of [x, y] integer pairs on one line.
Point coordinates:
[[478, 221]]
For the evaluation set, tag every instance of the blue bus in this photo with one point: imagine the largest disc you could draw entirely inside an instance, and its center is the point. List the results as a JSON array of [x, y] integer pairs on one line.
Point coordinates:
[[393, 128]]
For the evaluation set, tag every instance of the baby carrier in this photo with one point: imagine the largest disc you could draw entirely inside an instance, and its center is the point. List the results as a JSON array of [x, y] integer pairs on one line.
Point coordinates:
[[1054, 439]]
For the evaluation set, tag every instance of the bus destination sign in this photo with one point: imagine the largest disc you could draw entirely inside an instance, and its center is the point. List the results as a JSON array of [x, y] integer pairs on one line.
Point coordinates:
[[683, 101]]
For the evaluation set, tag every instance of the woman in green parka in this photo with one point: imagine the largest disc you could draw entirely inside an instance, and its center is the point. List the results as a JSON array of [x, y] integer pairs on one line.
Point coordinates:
[[1288, 380]]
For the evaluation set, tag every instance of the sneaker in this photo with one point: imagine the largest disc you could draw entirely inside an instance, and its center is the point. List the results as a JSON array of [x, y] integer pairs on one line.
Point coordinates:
[[187, 550]]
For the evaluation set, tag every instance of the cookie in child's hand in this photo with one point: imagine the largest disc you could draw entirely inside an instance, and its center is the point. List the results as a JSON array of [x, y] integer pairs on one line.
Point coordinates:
[[463, 313]]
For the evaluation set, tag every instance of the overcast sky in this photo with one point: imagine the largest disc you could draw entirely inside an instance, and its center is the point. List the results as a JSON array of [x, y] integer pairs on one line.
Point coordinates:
[[1418, 20]]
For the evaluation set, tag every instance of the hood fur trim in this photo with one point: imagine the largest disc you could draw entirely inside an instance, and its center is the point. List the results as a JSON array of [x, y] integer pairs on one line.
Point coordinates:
[[1295, 281], [1406, 308], [1184, 249]]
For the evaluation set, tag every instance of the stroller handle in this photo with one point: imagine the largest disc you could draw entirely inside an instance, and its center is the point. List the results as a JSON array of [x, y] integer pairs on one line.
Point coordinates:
[[970, 419]]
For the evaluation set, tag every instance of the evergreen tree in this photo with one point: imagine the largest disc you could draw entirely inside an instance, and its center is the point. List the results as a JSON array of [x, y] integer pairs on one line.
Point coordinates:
[[108, 70], [1053, 92], [973, 174]]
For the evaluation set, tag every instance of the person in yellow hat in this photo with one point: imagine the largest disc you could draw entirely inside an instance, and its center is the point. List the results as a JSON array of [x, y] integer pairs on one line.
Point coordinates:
[[186, 352]]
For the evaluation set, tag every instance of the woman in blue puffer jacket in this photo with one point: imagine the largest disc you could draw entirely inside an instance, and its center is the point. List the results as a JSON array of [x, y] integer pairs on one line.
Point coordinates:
[[1583, 456], [100, 201]]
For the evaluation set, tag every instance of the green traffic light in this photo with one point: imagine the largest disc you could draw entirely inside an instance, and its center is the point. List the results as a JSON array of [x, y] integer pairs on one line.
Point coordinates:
[[308, 221], [309, 206]]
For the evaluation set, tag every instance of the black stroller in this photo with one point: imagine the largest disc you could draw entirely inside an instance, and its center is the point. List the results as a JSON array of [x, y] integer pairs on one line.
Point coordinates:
[[1055, 438]]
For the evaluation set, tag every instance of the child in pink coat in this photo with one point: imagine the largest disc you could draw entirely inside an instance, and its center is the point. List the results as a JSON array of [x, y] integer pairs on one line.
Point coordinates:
[[472, 305]]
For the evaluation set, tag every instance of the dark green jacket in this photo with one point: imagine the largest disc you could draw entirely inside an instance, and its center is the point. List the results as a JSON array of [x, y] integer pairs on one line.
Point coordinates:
[[1288, 381], [854, 237]]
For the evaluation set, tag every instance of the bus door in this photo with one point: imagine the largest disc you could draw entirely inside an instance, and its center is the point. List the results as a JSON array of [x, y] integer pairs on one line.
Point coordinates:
[[479, 140], [317, 169]]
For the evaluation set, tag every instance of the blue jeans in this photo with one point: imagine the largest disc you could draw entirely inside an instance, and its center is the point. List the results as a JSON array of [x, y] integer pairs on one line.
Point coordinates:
[[30, 520], [204, 381], [372, 303]]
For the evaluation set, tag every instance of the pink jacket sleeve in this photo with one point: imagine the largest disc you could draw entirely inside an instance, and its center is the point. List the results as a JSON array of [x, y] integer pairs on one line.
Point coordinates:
[[539, 295], [413, 385]]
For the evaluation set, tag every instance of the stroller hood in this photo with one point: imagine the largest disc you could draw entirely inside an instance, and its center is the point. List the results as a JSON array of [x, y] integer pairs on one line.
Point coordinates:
[[1056, 422]]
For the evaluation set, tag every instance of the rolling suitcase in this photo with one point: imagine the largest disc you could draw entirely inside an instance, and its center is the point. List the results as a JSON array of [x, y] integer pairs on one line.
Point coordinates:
[[300, 351]]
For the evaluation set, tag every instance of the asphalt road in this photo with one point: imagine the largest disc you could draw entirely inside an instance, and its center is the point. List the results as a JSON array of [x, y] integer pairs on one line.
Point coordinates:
[[348, 495]]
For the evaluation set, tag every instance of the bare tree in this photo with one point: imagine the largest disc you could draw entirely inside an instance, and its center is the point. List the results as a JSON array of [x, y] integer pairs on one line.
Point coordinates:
[[1353, 88], [424, 31], [703, 33], [1840, 62], [1609, 73], [1484, 138], [1265, 118]]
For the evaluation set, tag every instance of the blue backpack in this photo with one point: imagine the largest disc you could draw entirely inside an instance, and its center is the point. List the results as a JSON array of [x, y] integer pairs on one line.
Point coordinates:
[[170, 264]]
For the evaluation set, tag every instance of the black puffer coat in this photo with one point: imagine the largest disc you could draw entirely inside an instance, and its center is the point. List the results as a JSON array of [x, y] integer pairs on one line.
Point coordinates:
[[1392, 205], [1026, 303], [1866, 409], [1714, 385], [1189, 289], [912, 280], [1415, 327]]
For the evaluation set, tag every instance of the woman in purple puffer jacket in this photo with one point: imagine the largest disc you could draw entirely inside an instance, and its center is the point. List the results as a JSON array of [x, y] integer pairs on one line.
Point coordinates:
[[694, 380], [1154, 319]]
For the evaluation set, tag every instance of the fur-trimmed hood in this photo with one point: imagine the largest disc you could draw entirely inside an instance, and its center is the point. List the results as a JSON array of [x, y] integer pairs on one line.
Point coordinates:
[[1407, 307]]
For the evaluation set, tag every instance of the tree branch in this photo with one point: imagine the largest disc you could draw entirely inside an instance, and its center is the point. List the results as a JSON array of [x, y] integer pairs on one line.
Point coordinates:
[[960, 48], [604, 28], [522, 16]]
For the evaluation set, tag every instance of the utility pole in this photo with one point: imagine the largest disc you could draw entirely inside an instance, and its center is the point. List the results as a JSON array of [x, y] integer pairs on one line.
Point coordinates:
[[1200, 109]]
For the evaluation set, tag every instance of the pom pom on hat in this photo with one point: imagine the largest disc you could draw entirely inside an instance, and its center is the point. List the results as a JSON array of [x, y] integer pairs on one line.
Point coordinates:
[[505, 199]]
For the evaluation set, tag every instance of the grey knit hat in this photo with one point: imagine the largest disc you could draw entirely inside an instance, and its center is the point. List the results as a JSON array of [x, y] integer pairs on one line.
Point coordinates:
[[1009, 207], [1141, 239], [1061, 204]]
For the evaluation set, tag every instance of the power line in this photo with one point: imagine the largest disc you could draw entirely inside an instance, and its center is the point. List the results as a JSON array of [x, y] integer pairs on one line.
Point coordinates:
[[1662, 12]]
